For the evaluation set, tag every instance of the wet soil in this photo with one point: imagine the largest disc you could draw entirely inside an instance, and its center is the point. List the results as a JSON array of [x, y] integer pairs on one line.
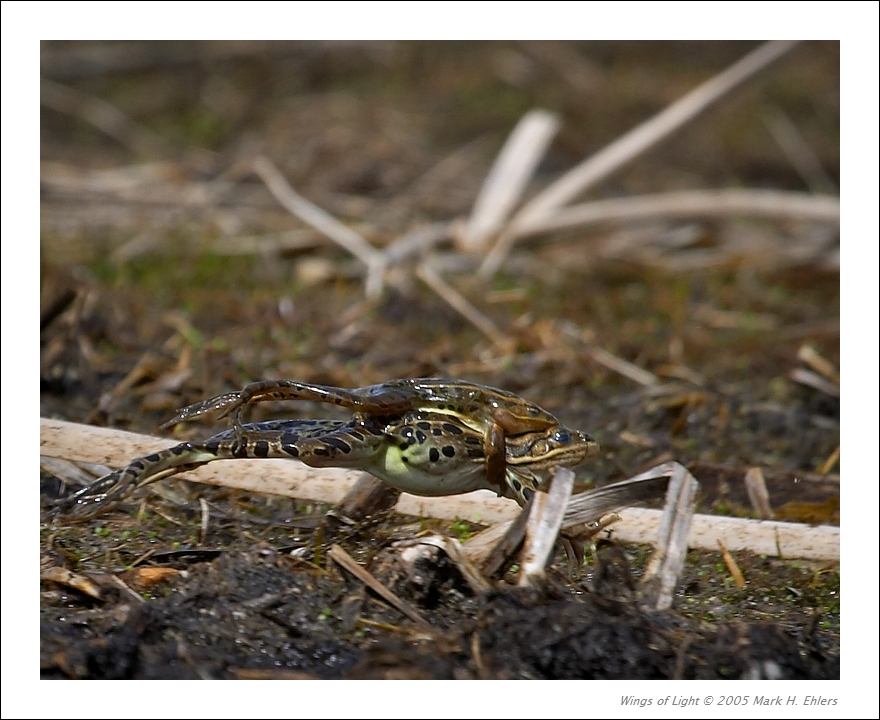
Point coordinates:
[[389, 137]]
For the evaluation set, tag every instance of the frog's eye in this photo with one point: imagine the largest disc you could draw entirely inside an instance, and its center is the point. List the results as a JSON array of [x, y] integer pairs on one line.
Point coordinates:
[[533, 411], [562, 436], [541, 447]]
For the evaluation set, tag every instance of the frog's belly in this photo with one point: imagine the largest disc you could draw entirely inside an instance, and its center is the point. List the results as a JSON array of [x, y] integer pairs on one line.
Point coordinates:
[[420, 471]]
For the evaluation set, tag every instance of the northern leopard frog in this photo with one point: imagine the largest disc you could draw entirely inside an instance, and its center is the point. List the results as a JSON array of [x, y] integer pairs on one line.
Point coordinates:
[[496, 415], [421, 452]]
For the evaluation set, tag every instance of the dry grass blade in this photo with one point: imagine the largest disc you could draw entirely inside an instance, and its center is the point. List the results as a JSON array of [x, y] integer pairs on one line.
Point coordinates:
[[624, 367], [759, 497], [592, 504], [832, 460], [732, 566], [418, 241], [632, 144], [809, 356], [206, 515], [323, 221], [63, 576], [542, 527], [664, 568], [338, 555], [70, 472], [815, 381], [798, 152], [509, 176], [105, 117], [770, 204], [427, 274]]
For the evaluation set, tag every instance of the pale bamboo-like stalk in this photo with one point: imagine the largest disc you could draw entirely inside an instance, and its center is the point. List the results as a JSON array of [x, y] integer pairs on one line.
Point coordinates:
[[116, 448]]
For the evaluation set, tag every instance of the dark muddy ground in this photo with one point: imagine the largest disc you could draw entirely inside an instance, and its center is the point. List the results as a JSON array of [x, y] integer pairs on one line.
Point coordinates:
[[151, 300]]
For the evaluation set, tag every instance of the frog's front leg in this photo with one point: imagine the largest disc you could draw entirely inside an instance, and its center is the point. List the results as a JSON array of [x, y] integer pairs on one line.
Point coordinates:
[[494, 448]]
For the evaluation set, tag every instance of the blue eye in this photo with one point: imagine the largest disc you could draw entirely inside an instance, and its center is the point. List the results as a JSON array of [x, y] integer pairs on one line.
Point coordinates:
[[561, 436]]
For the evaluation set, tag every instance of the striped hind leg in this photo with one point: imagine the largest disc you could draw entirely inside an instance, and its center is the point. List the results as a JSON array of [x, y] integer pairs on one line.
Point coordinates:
[[114, 487], [275, 438]]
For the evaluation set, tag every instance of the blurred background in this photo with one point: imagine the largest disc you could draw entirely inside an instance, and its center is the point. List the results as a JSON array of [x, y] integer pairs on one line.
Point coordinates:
[[171, 270]]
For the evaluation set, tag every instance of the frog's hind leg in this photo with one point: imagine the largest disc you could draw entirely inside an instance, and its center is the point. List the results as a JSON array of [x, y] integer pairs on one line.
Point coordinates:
[[375, 400], [315, 442], [114, 487]]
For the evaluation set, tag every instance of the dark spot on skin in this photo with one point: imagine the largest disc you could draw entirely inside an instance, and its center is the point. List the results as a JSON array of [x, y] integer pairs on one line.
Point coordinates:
[[470, 440], [152, 458], [411, 440], [421, 436], [212, 446], [517, 485], [291, 450], [448, 450], [527, 493], [434, 455], [136, 464], [404, 458], [178, 449], [356, 435], [475, 453], [437, 431], [453, 429], [323, 452], [424, 425], [261, 448], [339, 444], [240, 451]]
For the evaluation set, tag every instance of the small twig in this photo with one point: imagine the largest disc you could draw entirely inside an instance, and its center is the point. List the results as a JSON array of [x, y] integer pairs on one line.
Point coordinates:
[[206, 513], [345, 561], [418, 241], [323, 221], [103, 116], [756, 487], [120, 585], [542, 527], [509, 176], [478, 657], [831, 461], [69, 472], [427, 274], [815, 381], [796, 149], [143, 558], [388, 627], [712, 204], [623, 367], [63, 576], [809, 356], [732, 566], [664, 567], [632, 144]]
